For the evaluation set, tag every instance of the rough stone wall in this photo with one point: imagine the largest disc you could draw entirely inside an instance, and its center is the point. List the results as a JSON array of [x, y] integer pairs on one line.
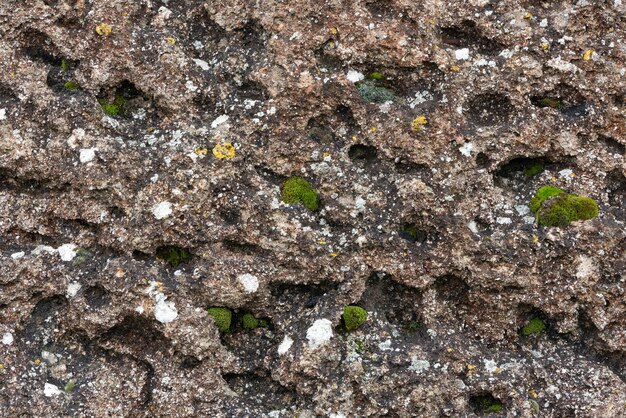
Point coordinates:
[[424, 222]]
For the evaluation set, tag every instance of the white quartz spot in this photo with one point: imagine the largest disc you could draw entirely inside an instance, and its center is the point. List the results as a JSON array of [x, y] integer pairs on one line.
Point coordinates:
[[202, 64], [355, 76], [162, 210], [67, 252], [87, 155], [320, 332], [249, 282], [73, 289], [285, 345], [462, 54], [466, 149], [165, 311], [50, 390], [7, 338], [3, 114], [219, 120], [18, 255]]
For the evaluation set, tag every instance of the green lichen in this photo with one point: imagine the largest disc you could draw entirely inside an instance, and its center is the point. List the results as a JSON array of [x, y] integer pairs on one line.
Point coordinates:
[[172, 254], [373, 92], [82, 256], [251, 322], [71, 86], [554, 207], [534, 326], [531, 170], [354, 317], [222, 318], [298, 190]]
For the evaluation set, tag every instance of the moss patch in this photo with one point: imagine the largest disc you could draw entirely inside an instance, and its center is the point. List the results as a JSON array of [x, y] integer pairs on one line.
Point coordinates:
[[71, 86], [172, 254], [298, 190], [249, 321], [533, 169], [555, 207], [222, 318], [534, 326], [486, 404], [113, 108], [553, 102], [354, 317]]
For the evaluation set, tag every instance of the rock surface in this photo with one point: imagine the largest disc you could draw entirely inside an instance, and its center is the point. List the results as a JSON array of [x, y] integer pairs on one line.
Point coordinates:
[[131, 126]]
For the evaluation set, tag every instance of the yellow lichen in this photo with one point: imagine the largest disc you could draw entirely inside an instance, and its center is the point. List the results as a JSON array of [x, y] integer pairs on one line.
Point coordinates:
[[222, 151], [333, 31], [103, 29], [545, 46], [201, 151], [373, 129], [588, 54], [170, 41], [470, 369], [528, 15], [533, 393], [455, 68], [418, 123]]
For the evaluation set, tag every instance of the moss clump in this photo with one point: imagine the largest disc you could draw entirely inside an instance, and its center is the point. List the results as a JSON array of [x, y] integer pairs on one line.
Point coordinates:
[[71, 86], [70, 385], [409, 232], [534, 326], [487, 404], [222, 318], [65, 66], [113, 108], [359, 347], [553, 102], [172, 254], [251, 322], [373, 92], [533, 169], [354, 317], [413, 326], [298, 190], [554, 207], [376, 75]]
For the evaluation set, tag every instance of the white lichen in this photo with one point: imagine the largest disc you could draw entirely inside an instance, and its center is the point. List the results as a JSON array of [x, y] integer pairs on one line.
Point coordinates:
[[67, 252], [285, 345], [249, 282], [162, 210]]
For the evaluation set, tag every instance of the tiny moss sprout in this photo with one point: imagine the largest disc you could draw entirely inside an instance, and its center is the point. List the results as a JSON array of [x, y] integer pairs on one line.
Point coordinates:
[[113, 108], [298, 190], [173, 255], [71, 86], [354, 317], [531, 170], [249, 321], [222, 318]]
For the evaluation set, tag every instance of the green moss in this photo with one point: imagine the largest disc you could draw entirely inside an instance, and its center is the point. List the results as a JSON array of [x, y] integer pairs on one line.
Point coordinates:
[[495, 407], [172, 254], [298, 190], [534, 326], [373, 92], [409, 232], [552, 102], [71, 86], [69, 386], [413, 326], [359, 346], [533, 169], [354, 317], [251, 322], [113, 108], [377, 75], [555, 207], [222, 318], [65, 66]]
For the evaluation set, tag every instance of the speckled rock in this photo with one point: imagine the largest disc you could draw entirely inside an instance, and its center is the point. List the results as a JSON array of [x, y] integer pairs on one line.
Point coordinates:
[[129, 127]]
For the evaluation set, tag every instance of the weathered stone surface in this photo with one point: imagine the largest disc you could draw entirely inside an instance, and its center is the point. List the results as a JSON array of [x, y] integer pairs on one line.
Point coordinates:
[[423, 222]]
